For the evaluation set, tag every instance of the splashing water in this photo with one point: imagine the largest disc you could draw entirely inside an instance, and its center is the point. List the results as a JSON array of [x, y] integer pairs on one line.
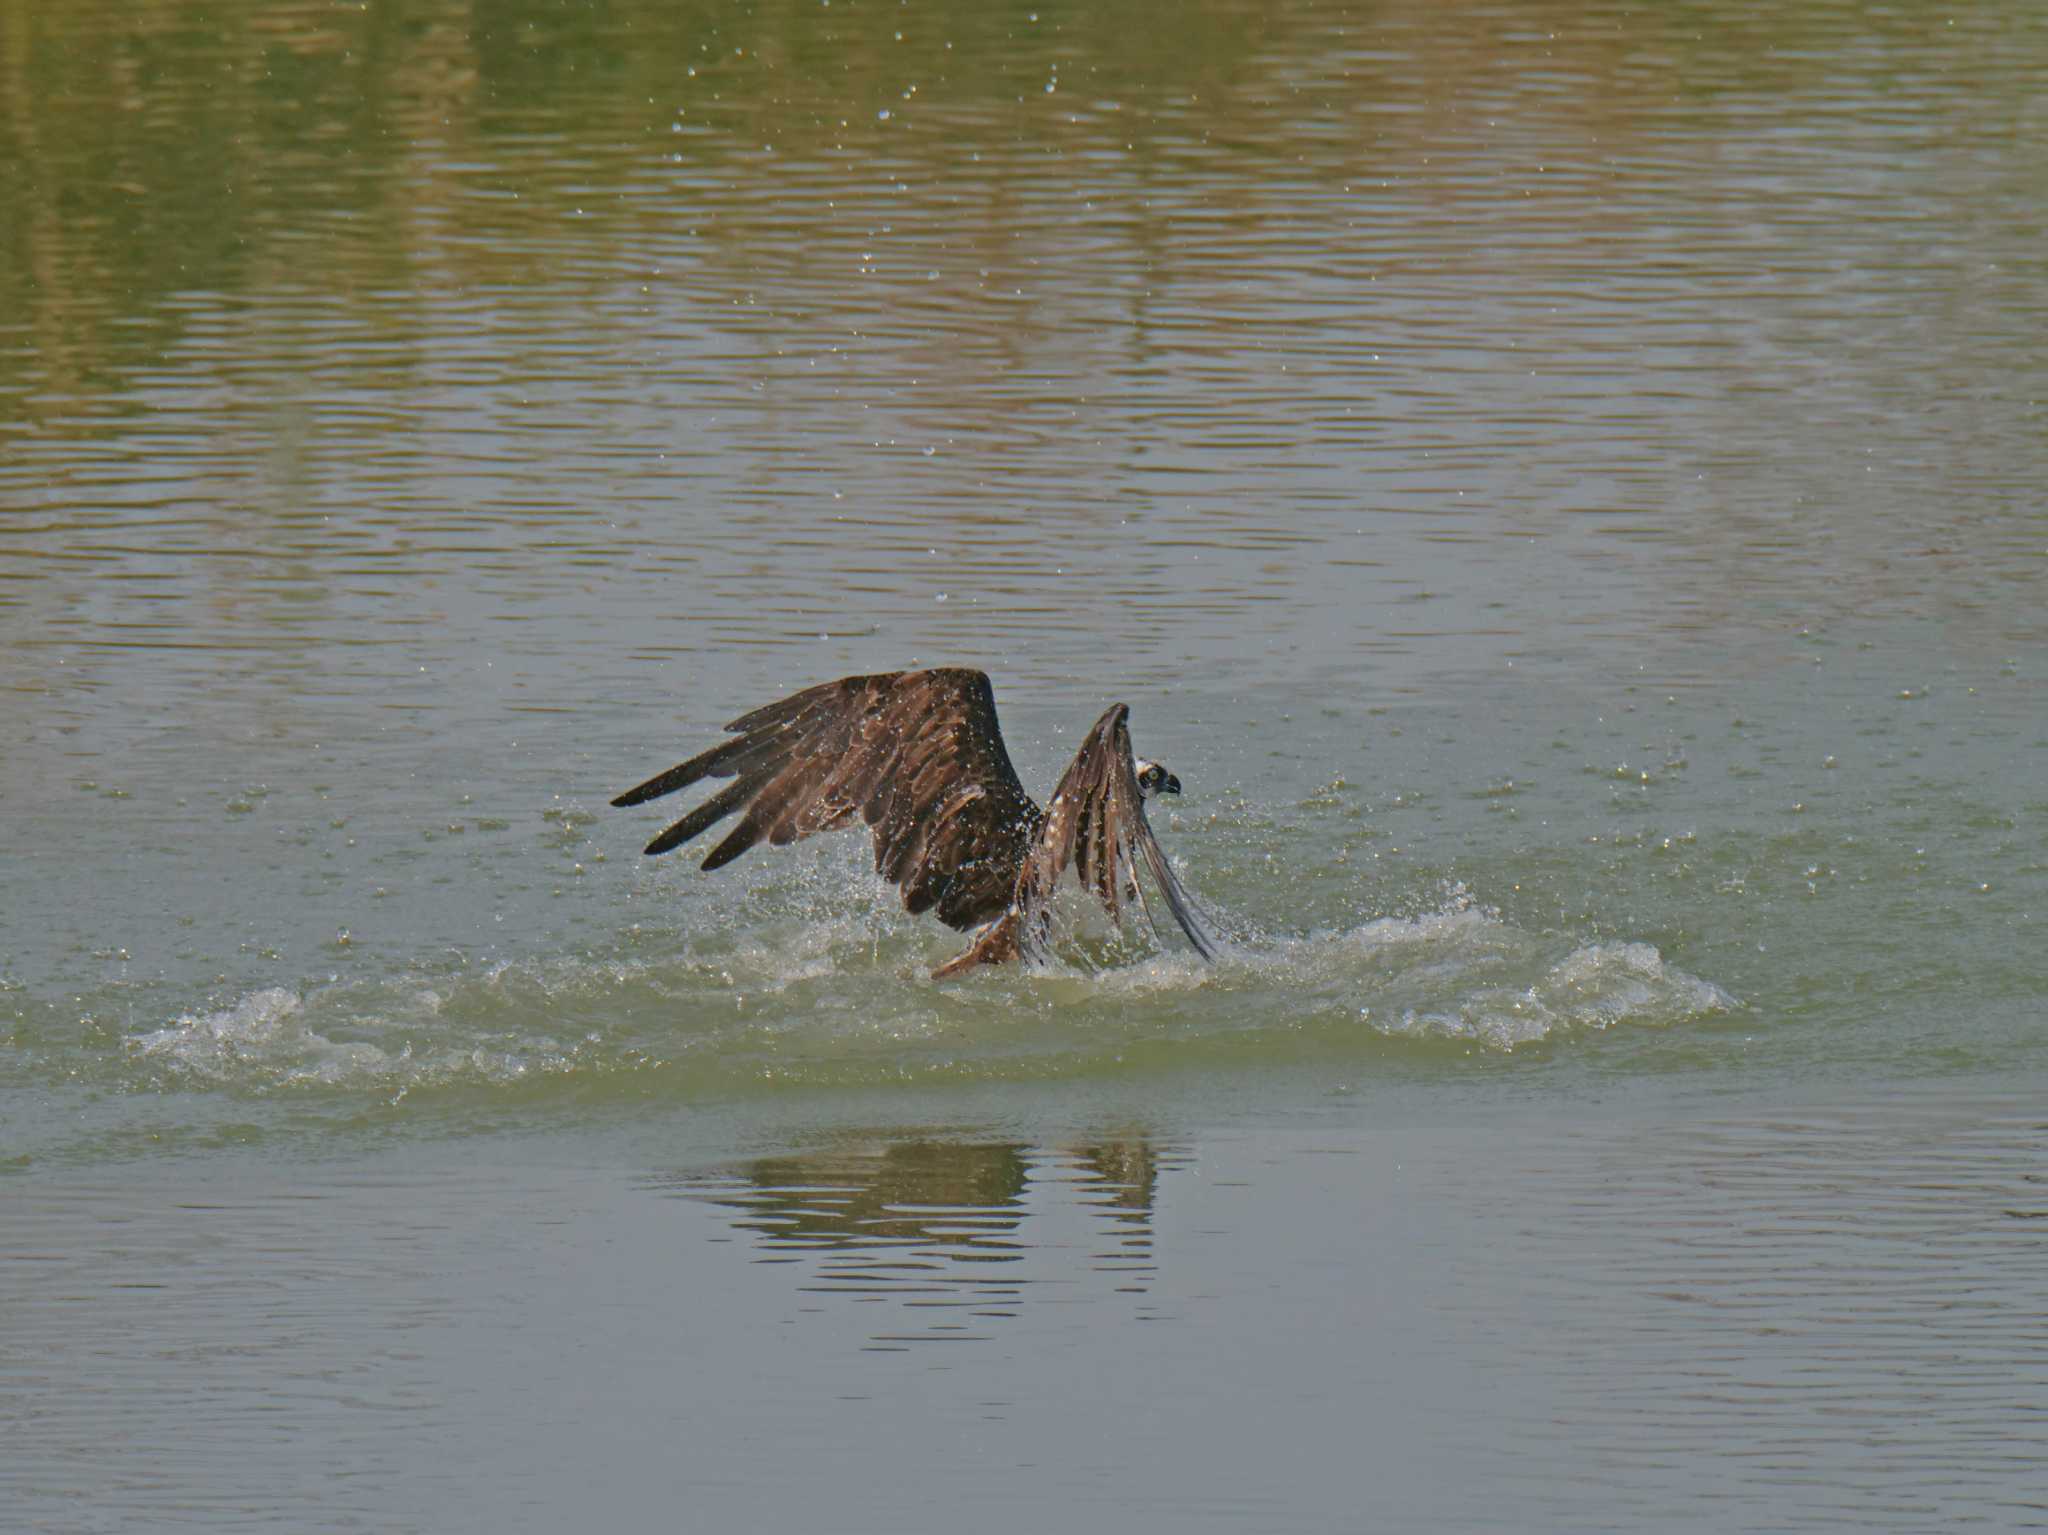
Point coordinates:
[[786, 995]]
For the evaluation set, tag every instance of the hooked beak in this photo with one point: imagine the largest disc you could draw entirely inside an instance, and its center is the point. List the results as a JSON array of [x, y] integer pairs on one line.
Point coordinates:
[[1170, 785]]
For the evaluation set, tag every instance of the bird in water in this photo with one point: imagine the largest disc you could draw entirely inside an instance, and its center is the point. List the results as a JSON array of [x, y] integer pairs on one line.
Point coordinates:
[[919, 758]]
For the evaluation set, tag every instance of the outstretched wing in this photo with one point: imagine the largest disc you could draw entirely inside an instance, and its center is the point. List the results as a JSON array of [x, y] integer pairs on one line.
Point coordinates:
[[1095, 823], [918, 756]]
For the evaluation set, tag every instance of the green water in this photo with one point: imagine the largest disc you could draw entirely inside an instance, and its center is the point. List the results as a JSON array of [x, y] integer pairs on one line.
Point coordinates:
[[1561, 487]]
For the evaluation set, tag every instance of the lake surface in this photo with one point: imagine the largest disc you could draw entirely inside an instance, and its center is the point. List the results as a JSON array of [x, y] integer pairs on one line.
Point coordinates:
[[1564, 488]]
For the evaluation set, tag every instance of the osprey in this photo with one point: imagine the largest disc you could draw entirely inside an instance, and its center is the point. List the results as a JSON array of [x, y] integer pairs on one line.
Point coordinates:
[[919, 758]]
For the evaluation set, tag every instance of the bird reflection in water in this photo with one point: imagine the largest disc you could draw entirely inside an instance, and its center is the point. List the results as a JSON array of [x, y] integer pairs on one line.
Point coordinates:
[[963, 1232]]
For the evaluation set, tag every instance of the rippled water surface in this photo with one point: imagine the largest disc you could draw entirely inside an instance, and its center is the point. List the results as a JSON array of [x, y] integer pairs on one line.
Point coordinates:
[[1562, 487]]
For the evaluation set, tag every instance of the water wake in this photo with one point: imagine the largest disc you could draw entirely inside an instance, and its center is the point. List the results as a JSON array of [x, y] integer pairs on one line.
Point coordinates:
[[792, 997]]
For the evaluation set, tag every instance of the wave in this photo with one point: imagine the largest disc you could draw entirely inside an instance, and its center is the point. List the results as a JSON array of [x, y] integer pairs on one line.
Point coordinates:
[[270, 1038], [845, 1000]]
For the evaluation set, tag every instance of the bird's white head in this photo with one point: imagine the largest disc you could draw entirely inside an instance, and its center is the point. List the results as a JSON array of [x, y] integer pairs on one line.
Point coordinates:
[[1154, 779]]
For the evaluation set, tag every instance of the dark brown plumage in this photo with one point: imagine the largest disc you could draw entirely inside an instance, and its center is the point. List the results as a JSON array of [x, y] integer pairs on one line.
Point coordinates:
[[919, 757]]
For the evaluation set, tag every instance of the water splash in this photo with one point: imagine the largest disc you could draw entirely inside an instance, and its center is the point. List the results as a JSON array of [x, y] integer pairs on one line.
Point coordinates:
[[273, 1039], [787, 997]]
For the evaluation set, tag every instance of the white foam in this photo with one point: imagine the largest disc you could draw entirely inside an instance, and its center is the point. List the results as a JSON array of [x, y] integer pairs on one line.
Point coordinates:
[[853, 981], [1593, 987], [211, 1041], [267, 1040], [1459, 972]]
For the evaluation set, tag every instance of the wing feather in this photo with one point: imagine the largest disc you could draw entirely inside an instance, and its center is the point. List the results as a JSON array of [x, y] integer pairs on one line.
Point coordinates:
[[918, 756], [1097, 823], [716, 808]]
